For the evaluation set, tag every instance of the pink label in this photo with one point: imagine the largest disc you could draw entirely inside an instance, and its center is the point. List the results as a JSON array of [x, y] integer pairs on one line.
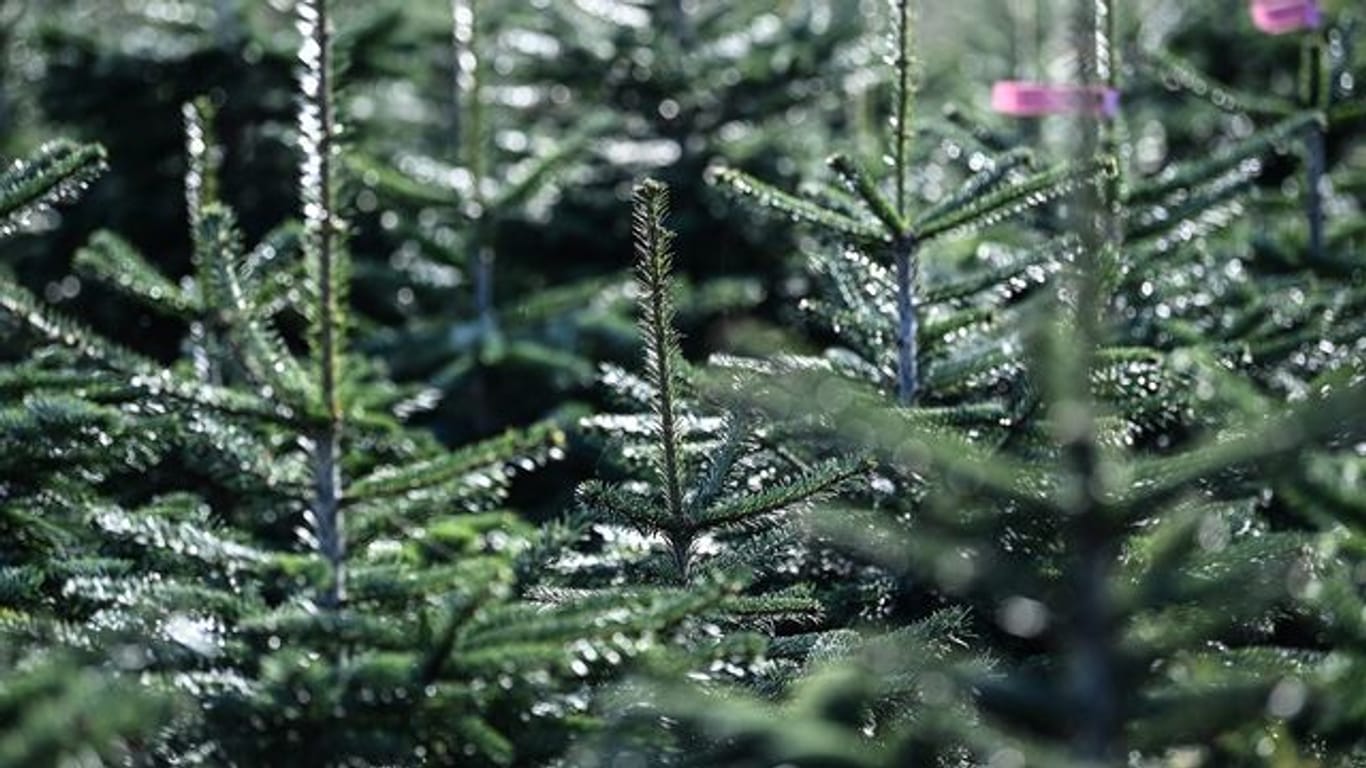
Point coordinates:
[[1277, 17], [1024, 99]]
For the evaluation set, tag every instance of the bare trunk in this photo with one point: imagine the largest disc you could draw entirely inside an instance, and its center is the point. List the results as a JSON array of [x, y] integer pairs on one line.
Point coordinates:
[[679, 21], [908, 326], [1315, 163], [330, 521], [1094, 666], [483, 269], [225, 21]]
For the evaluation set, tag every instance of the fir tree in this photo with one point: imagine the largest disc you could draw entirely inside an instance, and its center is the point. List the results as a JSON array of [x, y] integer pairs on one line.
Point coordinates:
[[1297, 265], [883, 226], [478, 192], [716, 497], [1323, 95]]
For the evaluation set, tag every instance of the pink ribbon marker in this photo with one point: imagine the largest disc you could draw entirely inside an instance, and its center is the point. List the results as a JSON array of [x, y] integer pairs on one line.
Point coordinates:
[[1025, 99], [1277, 17]]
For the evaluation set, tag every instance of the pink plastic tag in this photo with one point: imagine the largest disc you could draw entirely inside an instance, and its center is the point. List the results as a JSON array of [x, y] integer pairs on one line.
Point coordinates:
[[1025, 99], [1277, 17]]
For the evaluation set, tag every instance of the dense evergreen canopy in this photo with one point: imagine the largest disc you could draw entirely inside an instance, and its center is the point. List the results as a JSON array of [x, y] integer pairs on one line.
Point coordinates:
[[682, 383]]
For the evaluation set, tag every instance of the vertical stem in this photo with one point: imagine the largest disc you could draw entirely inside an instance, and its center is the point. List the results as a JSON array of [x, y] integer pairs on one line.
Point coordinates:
[[203, 157], [225, 21], [463, 70], [662, 353], [654, 257], [908, 373], [329, 470], [901, 108], [205, 353], [1095, 683], [678, 21], [201, 188], [324, 235], [908, 364], [1315, 167], [1313, 94], [681, 548], [468, 134], [1042, 25], [318, 128], [1034, 69], [1106, 68], [1094, 667], [327, 510], [1015, 39], [484, 263], [1027, 38]]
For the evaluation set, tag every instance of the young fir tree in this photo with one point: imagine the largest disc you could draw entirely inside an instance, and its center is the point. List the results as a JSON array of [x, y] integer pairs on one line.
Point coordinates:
[[1190, 243], [261, 533], [455, 218], [709, 495], [1324, 93], [1197, 219], [1288, 286], [889, 234], [963, 325]]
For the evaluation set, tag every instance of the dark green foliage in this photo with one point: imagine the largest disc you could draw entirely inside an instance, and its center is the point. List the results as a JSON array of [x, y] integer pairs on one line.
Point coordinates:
[[56, 173], [1027, 443], [56, 711], [323, 583], [1068, 508]]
